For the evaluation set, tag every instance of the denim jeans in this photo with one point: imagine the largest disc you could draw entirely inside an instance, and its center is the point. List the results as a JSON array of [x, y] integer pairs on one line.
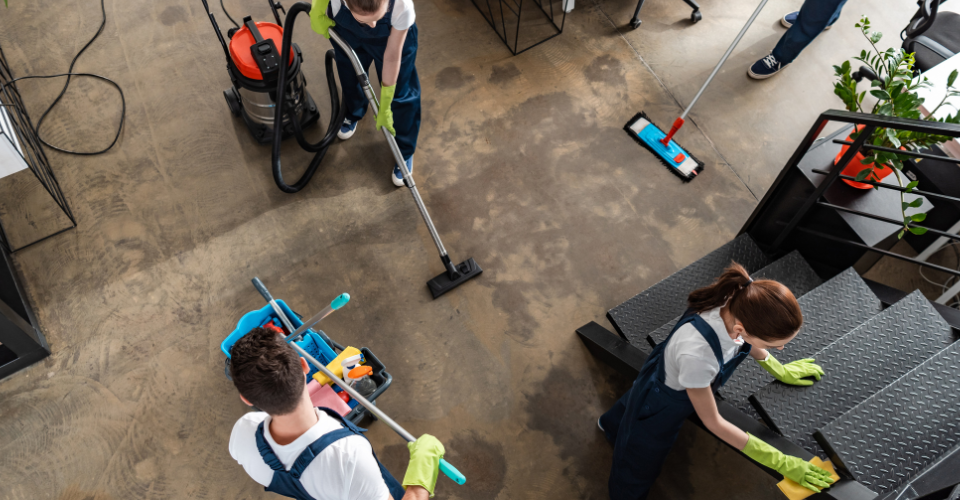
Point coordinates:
[[815, 16]]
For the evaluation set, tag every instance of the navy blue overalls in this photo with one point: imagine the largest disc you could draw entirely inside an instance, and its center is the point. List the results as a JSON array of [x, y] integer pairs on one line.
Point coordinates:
[[287, 483], [645, 422], [370, 44]]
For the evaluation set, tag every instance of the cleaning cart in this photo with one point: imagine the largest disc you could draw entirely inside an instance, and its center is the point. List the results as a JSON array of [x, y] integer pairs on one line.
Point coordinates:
[[317, 344]]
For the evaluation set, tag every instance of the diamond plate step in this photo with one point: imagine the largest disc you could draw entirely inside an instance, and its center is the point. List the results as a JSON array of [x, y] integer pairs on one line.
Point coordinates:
[[667, 299], [896, 433], [857, 365], [830, 311], [791, 270]]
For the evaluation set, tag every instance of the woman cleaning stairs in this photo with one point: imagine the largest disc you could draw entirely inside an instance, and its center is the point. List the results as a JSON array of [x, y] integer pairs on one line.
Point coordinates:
[[726, 321]]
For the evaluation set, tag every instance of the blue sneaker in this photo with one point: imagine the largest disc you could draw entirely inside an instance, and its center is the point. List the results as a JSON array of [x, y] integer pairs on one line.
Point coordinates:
[[347, 129], [765, 68], [397, 175], [790, 19]]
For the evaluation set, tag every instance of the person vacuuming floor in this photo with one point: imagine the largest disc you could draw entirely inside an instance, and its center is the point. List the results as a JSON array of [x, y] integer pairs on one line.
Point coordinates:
[[383, 32], [725, 322], [297, 450]]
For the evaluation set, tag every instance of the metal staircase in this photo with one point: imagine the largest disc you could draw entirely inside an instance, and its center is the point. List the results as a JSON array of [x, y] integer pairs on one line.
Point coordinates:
[[887, 411]]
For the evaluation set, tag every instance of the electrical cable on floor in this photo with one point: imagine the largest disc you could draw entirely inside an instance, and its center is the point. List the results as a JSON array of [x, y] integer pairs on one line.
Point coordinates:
[[952, 280], [69, 74], [228, 14]]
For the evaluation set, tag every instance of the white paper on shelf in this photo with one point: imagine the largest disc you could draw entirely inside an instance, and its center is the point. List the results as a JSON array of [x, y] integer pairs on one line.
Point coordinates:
[[11, 155], [937, 76]]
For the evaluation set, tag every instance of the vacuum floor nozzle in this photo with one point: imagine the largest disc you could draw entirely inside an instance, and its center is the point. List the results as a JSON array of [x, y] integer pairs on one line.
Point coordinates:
[[444, 283]]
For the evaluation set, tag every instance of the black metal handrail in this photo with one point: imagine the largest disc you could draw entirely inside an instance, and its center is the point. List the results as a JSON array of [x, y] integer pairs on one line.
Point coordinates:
[[906, 152], [892, 187], [886, 219], [870, 123]]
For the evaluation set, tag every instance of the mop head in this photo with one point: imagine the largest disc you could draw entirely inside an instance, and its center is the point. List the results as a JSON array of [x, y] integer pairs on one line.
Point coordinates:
[[675, 158]]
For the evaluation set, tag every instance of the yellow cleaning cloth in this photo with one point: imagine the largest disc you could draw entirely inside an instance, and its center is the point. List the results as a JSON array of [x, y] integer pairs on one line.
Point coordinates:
[[335, 366], [794, 491]]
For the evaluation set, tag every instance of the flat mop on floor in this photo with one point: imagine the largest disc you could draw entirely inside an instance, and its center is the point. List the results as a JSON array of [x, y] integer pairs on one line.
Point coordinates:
[[648, 135]]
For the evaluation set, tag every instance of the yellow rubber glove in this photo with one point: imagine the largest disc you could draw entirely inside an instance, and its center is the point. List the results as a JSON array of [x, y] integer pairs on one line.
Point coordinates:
[[424, 467], [385, 114], [792, 373], [797, 470], [318, 18]]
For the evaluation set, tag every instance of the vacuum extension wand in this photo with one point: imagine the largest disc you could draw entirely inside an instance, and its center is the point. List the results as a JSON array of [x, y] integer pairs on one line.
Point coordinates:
[[679, 121], [445, 467], [455, 275]]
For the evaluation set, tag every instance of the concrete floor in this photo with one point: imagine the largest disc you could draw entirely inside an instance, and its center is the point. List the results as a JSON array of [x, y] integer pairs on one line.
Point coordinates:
[[524, 166]]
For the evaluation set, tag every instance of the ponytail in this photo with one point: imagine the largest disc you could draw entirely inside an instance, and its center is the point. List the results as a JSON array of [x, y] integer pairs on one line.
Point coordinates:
[[767, 309]]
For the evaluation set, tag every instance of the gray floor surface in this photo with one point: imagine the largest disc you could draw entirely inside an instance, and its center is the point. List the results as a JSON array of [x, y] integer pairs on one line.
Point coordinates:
[[524, 166]]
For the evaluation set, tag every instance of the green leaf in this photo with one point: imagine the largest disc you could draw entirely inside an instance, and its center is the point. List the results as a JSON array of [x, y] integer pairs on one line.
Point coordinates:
[[912, 185], [876, 36], [880, 94], [918, 230], [918, 217], [892, 135], [915, 203], [862, 175], [900, 236], [952, 78]]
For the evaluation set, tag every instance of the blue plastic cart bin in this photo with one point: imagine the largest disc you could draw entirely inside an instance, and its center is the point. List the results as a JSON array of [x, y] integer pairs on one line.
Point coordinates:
[[318, 344]]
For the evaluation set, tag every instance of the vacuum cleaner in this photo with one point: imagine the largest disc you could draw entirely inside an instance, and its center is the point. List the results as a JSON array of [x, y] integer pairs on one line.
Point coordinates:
[[275, 104]]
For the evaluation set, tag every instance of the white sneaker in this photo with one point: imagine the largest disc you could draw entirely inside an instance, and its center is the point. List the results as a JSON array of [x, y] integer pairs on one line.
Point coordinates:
[[600, 426], [397, 175], [347, 129]]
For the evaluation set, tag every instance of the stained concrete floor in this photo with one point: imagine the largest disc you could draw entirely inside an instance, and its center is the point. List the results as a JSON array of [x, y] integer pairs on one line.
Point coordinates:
[[524, 166]]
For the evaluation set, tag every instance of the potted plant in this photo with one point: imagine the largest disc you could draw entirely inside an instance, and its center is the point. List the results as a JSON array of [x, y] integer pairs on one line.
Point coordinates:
[[893, 85]]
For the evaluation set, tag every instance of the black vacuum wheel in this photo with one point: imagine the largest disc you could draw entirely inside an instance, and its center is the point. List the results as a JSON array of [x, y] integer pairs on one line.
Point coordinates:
[[635, 23], [696, 16], [233, 100]]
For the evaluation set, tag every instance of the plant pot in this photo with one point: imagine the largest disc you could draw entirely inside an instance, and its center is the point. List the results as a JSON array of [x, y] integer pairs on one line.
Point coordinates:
[[854, 167]]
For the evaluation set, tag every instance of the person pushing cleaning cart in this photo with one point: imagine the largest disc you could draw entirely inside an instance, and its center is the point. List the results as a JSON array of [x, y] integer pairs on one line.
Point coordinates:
[[297, 450]]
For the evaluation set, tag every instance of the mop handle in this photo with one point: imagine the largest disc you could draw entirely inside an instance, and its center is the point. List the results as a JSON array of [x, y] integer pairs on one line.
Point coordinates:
[[273, 303], [445, 467], [337, 303], [724, 58]]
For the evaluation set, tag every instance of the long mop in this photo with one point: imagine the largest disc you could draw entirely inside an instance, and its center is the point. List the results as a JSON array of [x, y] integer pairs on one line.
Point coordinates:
[[677, 159], [445, 467]]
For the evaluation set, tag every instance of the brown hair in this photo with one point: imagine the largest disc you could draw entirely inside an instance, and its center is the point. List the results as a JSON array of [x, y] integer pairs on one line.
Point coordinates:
[[767, 309], [364, 6], [267, 371]]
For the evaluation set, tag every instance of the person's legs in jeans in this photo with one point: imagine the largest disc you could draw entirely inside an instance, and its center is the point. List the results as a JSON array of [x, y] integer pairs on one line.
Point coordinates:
[[815, 15]]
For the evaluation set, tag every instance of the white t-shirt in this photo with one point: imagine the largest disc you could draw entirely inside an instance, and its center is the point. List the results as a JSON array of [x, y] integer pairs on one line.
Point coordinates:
[[402, 18], [689, 360], [345, 470]]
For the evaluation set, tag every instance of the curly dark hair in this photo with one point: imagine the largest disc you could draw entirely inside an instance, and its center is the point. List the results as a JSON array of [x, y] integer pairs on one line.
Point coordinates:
[[267, 371]]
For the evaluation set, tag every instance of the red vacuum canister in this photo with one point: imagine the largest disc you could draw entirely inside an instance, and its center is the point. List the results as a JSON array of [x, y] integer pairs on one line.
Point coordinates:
[[254, 65]]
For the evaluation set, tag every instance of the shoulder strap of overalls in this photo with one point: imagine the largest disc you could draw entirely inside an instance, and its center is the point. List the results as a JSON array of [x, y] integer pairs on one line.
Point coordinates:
[[312, 451], [711, 336]]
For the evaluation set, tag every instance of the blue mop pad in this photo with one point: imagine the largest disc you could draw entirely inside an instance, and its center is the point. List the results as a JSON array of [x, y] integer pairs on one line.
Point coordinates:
[[674, 157]]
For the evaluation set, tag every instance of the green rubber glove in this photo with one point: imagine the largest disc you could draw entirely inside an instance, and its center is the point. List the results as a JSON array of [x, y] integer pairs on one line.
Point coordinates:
[[425, 455], [318, 18], [792, 373], [803, 473], [385, 114]]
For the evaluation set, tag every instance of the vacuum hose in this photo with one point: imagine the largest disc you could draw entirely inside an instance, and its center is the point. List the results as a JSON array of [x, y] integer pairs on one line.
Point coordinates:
[[336, 111]]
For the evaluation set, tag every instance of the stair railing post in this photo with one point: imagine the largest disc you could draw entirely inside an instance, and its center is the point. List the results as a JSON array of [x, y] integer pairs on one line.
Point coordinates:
[[834, 174]]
